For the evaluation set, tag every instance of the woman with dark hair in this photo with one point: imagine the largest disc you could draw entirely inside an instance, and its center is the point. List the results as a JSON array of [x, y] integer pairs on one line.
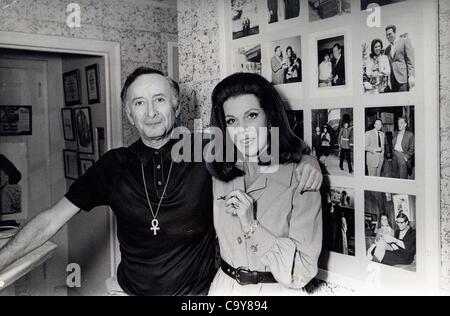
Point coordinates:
[[270, 234], [378, 69], [326, 142]]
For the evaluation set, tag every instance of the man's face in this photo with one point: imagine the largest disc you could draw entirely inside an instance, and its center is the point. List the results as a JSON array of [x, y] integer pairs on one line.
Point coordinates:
[[391, 36], [336, 52], [378, 125], [279, 52], [402, 125], [151, 106], [402, 224]]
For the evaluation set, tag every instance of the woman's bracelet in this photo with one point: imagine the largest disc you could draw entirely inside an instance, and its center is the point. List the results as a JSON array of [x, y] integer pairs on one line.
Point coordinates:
[[251, 231]]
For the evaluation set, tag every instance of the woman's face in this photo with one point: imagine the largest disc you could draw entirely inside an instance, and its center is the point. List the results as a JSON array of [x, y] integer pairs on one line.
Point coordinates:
[[246, 124], [317, 130], [289, 52], [384, 221], [326, 58], [377, 48]]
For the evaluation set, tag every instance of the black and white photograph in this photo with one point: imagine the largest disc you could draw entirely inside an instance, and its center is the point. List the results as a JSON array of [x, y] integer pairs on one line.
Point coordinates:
[[324, 9], [245, 17], [339, 221], [68, 125], [72, 88], [286, 61], [332, 140], [82, 117], [16, 120], [390, 142], [13, 173], [281, 10], [296, 121], [365, 4], [389, 62], [332, 61], [390, 228], [71, 166], [92, 82], [85, 164], [248, 59]]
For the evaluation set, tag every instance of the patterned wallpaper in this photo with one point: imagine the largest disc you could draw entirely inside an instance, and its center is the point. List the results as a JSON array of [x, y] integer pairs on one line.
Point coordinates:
[[143, 29], [200, 72]]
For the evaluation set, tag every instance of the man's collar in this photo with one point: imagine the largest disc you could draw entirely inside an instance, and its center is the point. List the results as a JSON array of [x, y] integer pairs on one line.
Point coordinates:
[[145, 153]]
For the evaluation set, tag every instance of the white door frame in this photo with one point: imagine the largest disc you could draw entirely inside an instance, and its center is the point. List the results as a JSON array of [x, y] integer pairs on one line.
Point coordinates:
[[111, 53]]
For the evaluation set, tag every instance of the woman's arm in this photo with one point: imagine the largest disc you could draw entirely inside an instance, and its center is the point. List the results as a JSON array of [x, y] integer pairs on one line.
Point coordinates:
[[293, 260]]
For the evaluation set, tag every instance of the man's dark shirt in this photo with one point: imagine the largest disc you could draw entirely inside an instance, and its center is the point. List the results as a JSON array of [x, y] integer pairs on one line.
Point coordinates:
[[180, 259]]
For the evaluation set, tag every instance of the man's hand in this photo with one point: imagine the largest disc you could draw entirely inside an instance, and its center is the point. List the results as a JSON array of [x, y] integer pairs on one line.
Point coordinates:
[[309, 175]]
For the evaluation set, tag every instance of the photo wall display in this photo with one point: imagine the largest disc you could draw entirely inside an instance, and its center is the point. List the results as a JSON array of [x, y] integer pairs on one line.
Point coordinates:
[[356, 78]]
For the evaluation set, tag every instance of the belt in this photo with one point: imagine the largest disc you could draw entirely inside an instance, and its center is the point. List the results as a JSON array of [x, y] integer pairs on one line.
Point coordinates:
[[244, 276]]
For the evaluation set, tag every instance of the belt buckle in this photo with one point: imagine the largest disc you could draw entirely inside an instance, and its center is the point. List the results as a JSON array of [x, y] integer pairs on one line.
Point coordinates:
[[240, 271]]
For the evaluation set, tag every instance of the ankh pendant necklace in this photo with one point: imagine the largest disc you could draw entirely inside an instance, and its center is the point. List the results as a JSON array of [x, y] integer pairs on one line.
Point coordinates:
[[155, 223]]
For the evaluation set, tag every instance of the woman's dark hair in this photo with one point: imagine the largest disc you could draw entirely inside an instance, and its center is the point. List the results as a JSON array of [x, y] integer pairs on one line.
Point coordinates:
[[291, 148], [372, 47]]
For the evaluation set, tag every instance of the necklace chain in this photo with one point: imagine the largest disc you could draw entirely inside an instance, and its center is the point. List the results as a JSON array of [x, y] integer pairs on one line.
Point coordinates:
[[155, 215]]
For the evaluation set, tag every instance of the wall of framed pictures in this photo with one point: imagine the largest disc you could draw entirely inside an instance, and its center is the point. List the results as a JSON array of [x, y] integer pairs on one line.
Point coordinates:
[[363, 82]]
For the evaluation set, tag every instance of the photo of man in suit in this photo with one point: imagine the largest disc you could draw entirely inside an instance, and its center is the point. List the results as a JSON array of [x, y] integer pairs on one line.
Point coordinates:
[[278, 66], [400, 53], [338, 66], [375, 140], [404, 148]]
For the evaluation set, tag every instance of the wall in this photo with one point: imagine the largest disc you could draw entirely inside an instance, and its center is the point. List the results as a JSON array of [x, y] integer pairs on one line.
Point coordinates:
[[200, 72], [88, 234], [444, 50], [143, 29]]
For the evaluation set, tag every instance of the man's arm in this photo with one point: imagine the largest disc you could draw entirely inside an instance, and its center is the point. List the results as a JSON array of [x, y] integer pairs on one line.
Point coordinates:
[[37, 232]]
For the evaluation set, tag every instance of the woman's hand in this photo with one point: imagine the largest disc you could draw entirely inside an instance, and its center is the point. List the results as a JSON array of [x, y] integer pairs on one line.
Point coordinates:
[[240, 204]]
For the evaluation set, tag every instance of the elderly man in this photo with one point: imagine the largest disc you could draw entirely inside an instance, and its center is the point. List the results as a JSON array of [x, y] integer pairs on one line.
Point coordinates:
[[164, 210]]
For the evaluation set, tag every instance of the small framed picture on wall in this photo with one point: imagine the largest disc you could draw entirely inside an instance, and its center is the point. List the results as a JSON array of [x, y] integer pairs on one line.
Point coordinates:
[[72, 88], [71, 170], [93, 90], [84, 130], [85, 164], [68, 128]]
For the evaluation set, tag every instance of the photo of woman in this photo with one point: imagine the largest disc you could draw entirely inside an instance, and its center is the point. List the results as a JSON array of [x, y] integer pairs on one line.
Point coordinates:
[[378, 69], [269, 234]]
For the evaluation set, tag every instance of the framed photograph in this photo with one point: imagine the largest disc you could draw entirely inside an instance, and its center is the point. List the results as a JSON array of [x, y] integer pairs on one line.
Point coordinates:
[[286, 61], [92, 81], [396, 215], [244, 18], [390, 142], [71, 167], [68, 127], [248, 59], [339, 221], [324, 9], [83, 121], [388, 57], [333, 140], [331, 66], [85, 164], [16, 120], [279, 11], [72, 88]]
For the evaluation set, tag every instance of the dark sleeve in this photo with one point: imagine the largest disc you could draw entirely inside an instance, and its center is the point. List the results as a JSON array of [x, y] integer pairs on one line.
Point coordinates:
[[8, 167], [93, 188], [410, 242]]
